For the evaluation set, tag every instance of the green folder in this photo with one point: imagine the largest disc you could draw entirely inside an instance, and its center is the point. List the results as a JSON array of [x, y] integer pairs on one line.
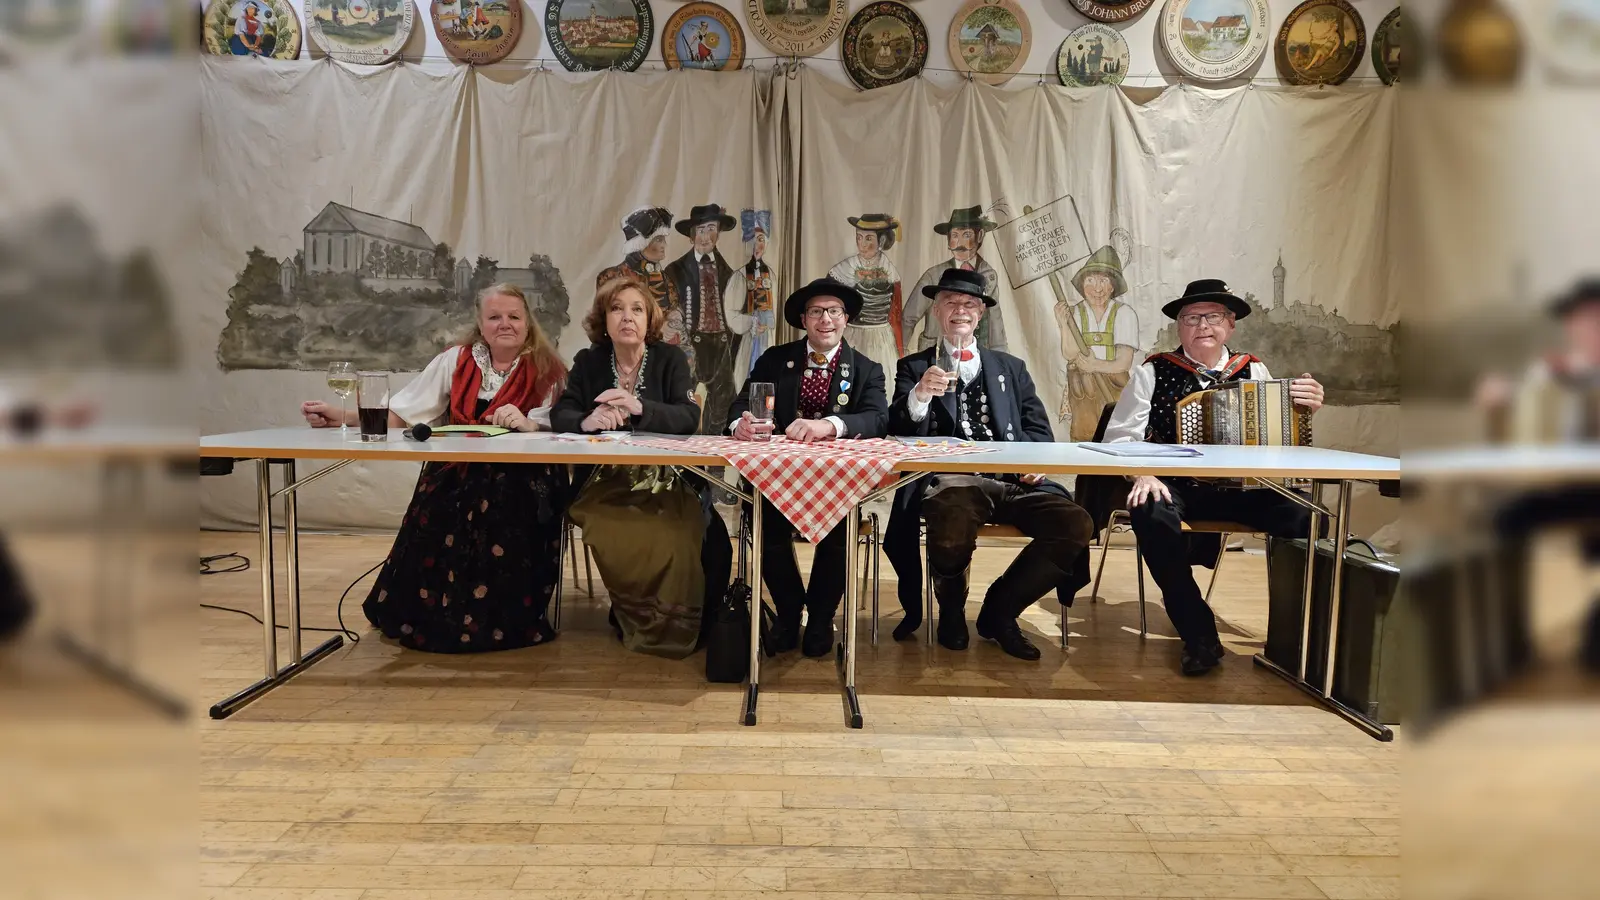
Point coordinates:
[[472, 430]]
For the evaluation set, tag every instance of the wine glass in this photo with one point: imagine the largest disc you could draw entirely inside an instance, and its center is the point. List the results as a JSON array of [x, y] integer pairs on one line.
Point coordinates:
[[342, 381]]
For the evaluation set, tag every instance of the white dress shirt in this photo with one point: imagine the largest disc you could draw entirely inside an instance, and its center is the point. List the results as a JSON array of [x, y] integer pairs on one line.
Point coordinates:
[[966, 372], [1132, 415], [427, 397]]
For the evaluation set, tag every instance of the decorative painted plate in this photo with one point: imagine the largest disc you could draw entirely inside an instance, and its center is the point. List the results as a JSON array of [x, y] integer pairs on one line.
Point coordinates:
[[1111, 10], [589, 35], [1215, 40], [1322, 42], [267, 28], [1480, 43], [703, 36], [884, 43], [990, 39], [1387, 43], [478, 32], [368, 32], [1572, 39], [796, 27], [1091, 55]]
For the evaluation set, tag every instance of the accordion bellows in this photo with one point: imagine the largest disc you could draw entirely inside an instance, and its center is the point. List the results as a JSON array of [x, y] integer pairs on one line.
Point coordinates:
[[1244, 412]]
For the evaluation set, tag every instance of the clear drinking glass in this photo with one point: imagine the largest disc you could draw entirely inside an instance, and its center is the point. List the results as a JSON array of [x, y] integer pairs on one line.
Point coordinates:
[[946, 360], [342, 381], [372, 405], [763, 394]]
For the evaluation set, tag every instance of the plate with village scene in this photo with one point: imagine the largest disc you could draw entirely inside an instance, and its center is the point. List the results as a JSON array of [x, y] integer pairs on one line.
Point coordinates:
[[367, 32], [884, 43], [269, 28], [477, 32], [591, 35], [1322, 42], [1215, 40], [990, 39], [1093, 54], [702, 36]]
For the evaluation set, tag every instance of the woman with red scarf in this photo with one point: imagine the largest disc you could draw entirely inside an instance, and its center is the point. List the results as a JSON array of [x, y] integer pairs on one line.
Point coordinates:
[[478, 553]]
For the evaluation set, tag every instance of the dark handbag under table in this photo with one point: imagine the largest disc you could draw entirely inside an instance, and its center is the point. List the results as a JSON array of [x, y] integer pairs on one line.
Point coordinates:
[[728, 635]]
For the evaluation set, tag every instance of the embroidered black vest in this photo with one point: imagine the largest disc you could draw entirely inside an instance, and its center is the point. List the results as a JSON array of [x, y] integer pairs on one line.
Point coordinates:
[[972, 412], [1176, 378]]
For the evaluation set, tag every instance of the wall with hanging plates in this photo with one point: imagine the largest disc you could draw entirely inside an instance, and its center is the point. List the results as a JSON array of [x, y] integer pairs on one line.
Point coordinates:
[[1050, 23]]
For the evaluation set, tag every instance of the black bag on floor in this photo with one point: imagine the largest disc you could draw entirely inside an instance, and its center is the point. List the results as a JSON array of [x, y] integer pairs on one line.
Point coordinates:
[[727, 640], [16, 605]]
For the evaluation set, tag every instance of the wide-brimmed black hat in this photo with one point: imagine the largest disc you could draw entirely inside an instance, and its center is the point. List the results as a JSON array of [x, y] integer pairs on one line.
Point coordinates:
[[960, 281], [1585, 291], [794, 308], [1208, 290], [702, 215]]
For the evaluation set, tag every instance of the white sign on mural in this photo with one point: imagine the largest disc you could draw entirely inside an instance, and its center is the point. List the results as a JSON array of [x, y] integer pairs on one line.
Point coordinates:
[[1041, 241]]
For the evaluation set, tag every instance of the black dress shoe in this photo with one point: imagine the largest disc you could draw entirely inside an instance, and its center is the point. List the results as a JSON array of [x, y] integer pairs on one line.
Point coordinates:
[[1010, 638], [907, 629], [783, 637], [819, 637], [952, 630], [1198, 662]]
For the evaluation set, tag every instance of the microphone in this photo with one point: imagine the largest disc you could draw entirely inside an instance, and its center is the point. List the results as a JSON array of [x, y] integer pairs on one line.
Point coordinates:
[[418, 432]]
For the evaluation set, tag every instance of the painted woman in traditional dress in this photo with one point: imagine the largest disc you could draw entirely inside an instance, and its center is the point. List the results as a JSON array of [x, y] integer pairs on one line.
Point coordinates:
[[759, 283], [876, 332], [255, 32]]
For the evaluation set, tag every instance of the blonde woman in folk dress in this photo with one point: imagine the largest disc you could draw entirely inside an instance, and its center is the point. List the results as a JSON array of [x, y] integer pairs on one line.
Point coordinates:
[[477, 556], [876, 332]]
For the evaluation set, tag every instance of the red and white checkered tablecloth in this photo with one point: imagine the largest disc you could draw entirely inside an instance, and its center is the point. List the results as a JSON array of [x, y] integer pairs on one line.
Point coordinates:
[[813, 485]]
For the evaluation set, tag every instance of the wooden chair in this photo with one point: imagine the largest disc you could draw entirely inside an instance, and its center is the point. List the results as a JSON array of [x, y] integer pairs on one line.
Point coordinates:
[[988, 536], [1121, 516]]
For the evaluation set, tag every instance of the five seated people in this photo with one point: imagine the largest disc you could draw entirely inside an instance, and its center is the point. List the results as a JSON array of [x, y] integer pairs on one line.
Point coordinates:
[[660, 545]]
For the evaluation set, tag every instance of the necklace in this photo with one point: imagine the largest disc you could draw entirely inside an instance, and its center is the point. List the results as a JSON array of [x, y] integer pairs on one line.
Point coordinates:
[[492, 378], [633, 380]]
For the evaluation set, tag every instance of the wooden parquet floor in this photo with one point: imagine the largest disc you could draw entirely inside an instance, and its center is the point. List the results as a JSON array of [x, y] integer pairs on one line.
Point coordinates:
[[579, 770]]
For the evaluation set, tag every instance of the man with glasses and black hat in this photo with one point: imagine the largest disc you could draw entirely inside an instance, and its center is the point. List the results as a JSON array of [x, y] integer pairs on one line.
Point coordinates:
[[1147, 411], [822, 389], [703, 283], [993, 400]]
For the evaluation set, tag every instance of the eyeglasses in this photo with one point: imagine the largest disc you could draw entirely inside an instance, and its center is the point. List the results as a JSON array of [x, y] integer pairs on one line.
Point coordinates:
[[831, 312], [1193, 320]]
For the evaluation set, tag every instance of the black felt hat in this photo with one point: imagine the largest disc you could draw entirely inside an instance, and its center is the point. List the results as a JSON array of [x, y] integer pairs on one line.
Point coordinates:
[[1585, 291], [960, 281], [1208, 290], [794, 308], [703, 215]]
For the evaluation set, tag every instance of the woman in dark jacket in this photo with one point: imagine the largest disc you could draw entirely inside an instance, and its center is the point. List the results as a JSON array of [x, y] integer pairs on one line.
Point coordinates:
[[660, 546]]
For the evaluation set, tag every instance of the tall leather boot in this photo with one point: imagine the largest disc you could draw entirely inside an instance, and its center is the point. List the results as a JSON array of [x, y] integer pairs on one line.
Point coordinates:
[[950, 592]]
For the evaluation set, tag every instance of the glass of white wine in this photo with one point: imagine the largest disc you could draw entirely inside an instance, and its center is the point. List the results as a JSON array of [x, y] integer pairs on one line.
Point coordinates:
[[342, 381]]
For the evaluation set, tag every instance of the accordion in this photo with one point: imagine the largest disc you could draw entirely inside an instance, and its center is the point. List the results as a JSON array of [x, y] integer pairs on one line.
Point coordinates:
[[1244, 412]]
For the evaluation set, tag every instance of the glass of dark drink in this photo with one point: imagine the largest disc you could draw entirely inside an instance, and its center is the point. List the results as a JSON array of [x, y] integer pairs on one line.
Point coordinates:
[[372, 405]]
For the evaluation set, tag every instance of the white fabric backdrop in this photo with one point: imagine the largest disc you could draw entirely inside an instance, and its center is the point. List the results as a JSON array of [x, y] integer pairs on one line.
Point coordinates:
[[507, 163]]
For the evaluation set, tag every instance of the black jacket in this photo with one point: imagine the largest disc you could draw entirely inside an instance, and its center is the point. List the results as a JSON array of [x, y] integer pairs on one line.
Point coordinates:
[[1014, 407], [857, 382], [668, 399]]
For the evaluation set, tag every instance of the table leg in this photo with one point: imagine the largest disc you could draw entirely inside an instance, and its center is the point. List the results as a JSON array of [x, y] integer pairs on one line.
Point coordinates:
[[274, 675], [1323, 693], [291, 559], [112, 598], [753, 688], [1311, 567], [852, 532]]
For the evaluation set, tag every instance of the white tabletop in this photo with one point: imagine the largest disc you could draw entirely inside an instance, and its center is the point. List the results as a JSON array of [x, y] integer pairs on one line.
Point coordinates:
[[1508, 465], [1050, 459], [326, 443], [58, 445], [1214, 462]]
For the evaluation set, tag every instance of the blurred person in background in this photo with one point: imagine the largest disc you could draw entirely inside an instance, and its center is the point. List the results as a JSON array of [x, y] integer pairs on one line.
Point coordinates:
[[1557, 400], [477, 557]]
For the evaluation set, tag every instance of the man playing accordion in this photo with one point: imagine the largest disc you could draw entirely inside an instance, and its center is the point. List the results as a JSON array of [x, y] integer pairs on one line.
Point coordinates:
[[1147, 411]]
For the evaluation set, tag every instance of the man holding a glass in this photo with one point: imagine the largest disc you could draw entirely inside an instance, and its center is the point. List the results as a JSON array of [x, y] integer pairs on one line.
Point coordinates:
[[814, 389], [957, 389]]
